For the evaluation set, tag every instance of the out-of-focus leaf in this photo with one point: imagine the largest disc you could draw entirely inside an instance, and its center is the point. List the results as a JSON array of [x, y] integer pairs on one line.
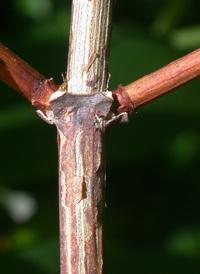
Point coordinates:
[[23, 237], [171, 12], [37, 9], [185, 39], [184, 242], [56, 28]]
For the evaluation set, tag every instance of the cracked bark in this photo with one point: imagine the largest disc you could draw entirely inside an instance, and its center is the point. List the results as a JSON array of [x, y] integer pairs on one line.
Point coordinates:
[[82, 180], [79, 109]]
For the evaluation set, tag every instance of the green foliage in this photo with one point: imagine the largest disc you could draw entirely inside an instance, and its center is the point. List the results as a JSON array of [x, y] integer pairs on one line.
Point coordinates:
[[152, 222]]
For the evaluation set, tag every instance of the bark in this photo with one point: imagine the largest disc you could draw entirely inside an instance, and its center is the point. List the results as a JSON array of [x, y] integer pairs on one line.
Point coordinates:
[[82, 180], [158, 83], [80, 108], [16, 73]]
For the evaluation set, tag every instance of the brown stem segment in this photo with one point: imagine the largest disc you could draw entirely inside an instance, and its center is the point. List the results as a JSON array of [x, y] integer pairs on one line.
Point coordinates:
[[16, 73], [81, 180], [156, 84]]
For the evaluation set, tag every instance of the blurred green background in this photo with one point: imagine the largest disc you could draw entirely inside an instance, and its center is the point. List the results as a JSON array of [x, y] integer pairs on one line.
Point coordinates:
[[152, 222]]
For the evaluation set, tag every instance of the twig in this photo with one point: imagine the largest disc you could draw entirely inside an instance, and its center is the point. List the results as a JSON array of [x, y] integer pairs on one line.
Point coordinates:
[[16, 73], [156, 84]]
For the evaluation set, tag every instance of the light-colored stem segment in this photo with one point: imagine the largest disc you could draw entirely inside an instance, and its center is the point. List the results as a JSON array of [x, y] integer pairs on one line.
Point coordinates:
[[89, 46]]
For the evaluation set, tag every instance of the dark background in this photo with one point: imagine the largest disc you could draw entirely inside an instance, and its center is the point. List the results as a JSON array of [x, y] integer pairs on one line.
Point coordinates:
[[152, 222]]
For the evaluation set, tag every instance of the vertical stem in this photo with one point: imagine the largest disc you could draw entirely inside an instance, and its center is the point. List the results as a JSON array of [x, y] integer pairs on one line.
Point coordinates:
[[80, 138], [89, 45], [81, 172], [81, 202]]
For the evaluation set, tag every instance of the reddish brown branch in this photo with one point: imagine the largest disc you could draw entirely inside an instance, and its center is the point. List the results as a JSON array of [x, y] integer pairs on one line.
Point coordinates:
[[26, 80], [158, 83]]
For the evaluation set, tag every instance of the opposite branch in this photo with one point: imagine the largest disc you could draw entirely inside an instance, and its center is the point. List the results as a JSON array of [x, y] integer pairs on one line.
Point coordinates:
[[16, 73], [156, 84]]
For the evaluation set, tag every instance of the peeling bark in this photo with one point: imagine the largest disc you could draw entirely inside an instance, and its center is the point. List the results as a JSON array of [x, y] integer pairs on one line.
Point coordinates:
[[82, 180]]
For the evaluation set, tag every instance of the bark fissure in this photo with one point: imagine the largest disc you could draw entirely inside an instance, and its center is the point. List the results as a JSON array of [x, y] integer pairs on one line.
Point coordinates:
[[81, 179]]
